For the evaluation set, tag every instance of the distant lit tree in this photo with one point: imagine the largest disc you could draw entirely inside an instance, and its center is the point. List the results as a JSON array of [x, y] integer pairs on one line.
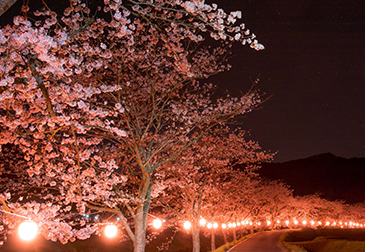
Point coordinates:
[[205, 179], [314, 207], [277, 198]]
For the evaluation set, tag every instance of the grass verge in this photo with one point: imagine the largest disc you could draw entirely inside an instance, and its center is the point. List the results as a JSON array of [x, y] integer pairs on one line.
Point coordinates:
[[324, 240]]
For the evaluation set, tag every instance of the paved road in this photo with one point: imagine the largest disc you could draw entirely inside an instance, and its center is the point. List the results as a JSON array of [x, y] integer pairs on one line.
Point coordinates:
[[265, 242]]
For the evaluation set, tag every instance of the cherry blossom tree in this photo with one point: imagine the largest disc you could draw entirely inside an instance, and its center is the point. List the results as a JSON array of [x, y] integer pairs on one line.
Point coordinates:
[[317, 208], [99, 106], [205, 180], [277, 197]]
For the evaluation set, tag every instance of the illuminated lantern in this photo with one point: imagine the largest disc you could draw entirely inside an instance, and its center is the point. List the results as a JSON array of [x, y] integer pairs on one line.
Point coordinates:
[[157, 223], [209, 225], [268, 222], [312, 223], [187, 225], [234, 225], [202, 222], [27, 230], [110, 231], [304, 222], [296, 222], [287, 223], [238, 224], [327, 223], [242, 222], [224, 226], [215, 225], [229, 225]]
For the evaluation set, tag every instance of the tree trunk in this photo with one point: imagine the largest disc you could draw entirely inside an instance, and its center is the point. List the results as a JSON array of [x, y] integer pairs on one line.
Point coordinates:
[[212, 241], [5, 5], [224, 236], [234, 234], [195, 232], [140, 232]]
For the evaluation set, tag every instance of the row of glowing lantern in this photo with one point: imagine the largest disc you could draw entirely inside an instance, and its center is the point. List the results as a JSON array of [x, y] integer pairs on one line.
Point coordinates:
[[341, 224], [29, 229]]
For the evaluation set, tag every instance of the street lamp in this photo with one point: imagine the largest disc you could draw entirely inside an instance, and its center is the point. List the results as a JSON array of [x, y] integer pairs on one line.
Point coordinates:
[[27, 230]]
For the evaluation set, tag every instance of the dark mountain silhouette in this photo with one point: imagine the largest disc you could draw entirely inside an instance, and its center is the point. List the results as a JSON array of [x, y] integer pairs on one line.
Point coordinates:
[[331, 176]]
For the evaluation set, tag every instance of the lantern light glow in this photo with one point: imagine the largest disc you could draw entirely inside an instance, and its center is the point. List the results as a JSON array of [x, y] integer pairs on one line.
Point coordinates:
[[27, 230], [187, 225], [157, 223], [110, 231]]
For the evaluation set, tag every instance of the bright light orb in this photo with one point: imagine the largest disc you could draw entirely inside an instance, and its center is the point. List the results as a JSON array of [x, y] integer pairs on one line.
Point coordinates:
[[287, 223], [110, 231], [215, 225], [224, 226], [27, 230], [202, 222], [209, 225], [187, 225], [157, 223]]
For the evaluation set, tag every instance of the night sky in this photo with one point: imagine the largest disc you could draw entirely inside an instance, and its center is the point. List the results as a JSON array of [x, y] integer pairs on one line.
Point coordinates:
[[314, 69]]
